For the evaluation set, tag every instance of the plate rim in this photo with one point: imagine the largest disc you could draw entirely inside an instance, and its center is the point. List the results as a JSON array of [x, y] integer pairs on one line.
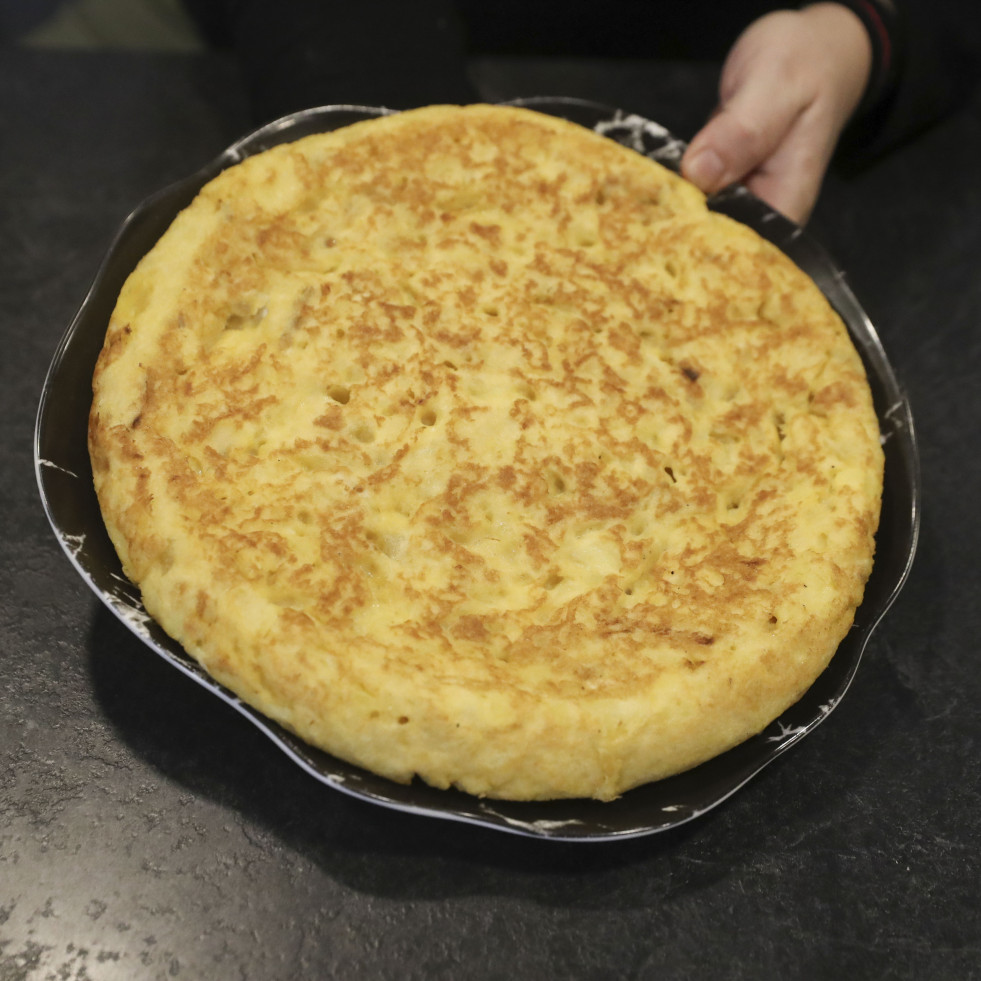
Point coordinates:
[[147, 220]]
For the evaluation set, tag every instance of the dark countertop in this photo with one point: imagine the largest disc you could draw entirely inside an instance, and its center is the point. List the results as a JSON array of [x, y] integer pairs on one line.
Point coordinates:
[[147, 831]]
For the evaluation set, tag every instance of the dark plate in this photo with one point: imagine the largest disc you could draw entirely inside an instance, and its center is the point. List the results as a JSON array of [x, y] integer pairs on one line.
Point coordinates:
[[65, 480]]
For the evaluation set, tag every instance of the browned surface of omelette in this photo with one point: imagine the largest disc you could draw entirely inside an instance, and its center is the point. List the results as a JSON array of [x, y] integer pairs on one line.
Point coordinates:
[[469, 444]]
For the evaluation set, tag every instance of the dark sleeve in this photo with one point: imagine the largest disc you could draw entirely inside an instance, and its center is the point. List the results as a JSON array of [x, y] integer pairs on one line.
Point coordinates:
[[923, 68], [295, 54]]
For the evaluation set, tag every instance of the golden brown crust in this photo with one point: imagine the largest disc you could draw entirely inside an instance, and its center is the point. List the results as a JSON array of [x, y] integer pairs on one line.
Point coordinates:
[[468, 444]]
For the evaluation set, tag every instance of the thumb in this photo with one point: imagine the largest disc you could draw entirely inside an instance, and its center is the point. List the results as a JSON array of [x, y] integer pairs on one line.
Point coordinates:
[[745, 131]]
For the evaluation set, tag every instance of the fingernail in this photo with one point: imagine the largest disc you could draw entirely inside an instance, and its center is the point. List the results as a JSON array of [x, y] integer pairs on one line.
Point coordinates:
[[705, 169]]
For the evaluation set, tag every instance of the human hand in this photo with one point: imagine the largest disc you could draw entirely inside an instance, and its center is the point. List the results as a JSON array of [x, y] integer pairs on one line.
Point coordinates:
[[788, 87]]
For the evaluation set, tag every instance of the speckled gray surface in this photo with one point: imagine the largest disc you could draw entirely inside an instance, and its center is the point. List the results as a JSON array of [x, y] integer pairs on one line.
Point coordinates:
[[147, 831]]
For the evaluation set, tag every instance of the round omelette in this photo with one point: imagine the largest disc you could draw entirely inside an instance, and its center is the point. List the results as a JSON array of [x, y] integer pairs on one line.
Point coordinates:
[[468, 444]]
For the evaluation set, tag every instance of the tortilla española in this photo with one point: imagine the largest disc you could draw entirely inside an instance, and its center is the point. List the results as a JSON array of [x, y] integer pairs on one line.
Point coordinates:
[[470, 445]]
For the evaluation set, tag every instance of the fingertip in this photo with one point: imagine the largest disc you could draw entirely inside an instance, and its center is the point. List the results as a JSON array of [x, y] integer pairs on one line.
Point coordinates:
[[704, 168]]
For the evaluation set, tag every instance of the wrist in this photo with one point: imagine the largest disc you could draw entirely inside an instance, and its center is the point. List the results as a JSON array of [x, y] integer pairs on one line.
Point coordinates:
[[880, 22]]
